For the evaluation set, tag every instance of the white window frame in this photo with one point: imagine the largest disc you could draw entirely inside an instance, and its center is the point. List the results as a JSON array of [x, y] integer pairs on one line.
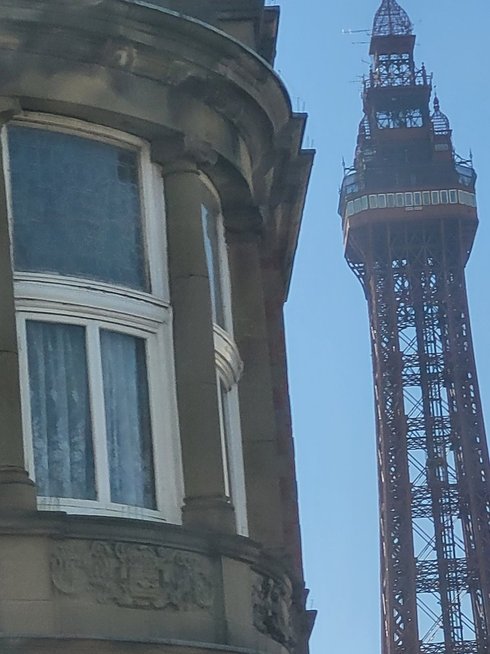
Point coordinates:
[[166, 458], [152, 202], [228, 369], [212, 201], [97, 305]]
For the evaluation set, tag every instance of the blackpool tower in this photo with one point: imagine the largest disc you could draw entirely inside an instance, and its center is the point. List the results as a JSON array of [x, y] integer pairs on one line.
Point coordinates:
[[409, 218]]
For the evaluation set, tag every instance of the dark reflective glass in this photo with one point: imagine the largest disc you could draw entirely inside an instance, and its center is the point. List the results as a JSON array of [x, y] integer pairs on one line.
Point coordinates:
[[211, 247], [76, 207]]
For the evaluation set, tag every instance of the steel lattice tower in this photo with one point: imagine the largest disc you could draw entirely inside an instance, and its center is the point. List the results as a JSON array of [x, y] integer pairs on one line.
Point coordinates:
[[409, 218]]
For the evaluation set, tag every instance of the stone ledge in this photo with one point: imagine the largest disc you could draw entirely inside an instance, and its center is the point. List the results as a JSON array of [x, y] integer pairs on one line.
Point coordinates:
[[73, 644], [59, 526]]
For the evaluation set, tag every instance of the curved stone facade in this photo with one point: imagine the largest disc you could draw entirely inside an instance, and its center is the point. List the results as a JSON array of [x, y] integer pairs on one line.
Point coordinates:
[[82, 580], [209, 104]]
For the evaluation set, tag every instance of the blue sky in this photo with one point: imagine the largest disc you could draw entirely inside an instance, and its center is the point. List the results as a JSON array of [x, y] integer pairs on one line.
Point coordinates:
[[328, 340]]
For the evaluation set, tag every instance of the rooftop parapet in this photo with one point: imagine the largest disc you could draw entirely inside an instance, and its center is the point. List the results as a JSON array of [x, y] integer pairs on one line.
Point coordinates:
[[249, 21]]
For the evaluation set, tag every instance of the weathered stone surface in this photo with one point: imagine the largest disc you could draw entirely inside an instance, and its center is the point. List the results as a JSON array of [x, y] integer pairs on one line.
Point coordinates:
[[272, 610], [109, 584]]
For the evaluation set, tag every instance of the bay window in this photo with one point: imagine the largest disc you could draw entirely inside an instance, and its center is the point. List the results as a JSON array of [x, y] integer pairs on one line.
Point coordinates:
[[97, 381]]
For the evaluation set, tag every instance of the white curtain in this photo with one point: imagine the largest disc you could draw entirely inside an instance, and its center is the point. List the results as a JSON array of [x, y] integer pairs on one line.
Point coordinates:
[[60, 410], [129, 441]]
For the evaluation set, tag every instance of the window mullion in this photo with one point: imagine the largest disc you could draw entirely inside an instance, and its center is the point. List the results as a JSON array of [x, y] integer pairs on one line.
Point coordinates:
[[154, 226], [98, 414], [24, 394], [7, 181]]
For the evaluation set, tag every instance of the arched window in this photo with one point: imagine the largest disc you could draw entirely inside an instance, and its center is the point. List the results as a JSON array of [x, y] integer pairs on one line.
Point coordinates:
[[93, 314]]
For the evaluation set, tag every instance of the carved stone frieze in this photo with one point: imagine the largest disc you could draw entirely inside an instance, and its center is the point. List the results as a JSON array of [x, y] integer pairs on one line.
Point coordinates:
[[272, 602], [132, 575]]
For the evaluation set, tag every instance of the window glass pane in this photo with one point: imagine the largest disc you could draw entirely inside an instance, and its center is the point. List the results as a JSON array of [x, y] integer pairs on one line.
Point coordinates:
[[408, 199], [127, 417], [444, 197], [400, 200], [373, 201], [426, 197], [382, 201], [435, 197], [60, 410], [357, 205], [364, 202], [225, 434], [76, 207], [417, 198], [211, 246], [391, 199], [350, 208], [453, 196]]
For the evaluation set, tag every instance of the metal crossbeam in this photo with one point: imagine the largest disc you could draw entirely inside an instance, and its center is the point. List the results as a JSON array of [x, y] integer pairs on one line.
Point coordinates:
[[433, 462]]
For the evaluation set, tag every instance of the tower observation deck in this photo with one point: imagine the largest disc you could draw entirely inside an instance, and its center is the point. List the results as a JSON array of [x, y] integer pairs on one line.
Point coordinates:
[[409, 218]]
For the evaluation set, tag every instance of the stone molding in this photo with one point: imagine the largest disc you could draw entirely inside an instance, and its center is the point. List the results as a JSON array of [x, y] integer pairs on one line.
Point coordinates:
[[182, 153], [132, 575], [157, 51], [227, 356]]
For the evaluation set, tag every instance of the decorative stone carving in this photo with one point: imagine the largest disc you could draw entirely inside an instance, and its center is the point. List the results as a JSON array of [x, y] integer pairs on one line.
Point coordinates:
[[132, 575], [272, 610], [119, 53]]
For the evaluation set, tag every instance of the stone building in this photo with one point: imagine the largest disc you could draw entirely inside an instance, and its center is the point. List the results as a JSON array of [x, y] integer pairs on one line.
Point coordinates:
[[152, 190]]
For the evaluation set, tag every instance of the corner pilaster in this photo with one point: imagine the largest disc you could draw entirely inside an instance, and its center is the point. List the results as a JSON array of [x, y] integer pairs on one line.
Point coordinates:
[[206, 503], [17, 491], [258, 425]]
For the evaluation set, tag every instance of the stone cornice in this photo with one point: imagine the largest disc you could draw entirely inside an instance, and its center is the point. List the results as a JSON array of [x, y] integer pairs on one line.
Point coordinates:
[[120, 26], [123, 43], [159, 74]]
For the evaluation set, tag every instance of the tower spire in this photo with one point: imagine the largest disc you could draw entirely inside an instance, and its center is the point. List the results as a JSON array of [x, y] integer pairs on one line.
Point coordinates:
[[391, 20], [409, 217]]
